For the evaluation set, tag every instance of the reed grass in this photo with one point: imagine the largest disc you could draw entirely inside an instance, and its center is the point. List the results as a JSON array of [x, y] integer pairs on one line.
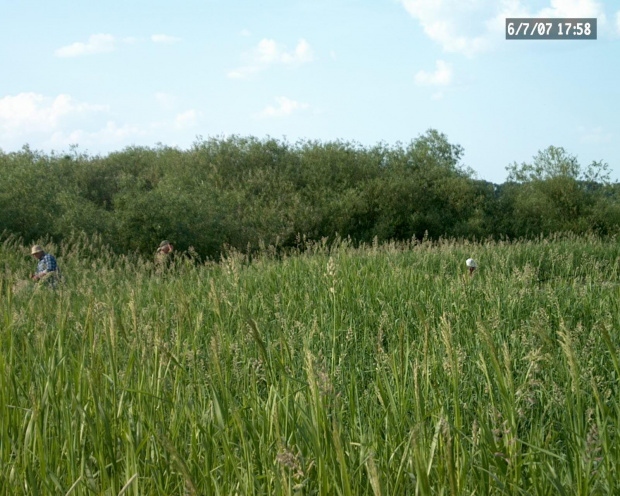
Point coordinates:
[[377, 370]]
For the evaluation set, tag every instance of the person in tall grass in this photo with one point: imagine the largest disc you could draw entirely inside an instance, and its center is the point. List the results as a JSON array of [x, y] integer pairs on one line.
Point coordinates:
[[47, 267], [471, 265], [163, 255]]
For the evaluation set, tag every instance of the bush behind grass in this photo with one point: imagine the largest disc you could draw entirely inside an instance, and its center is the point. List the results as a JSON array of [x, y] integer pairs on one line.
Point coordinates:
[[381, 369], [238, 191]]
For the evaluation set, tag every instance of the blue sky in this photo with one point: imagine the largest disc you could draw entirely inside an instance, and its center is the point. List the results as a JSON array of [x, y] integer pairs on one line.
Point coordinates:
[[105, 75]]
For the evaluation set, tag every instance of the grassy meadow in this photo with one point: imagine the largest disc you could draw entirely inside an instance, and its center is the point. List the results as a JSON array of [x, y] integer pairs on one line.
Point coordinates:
[[380, 370]]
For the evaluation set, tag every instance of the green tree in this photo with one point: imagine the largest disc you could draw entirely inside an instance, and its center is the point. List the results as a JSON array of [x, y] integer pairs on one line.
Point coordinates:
[[555, 193]]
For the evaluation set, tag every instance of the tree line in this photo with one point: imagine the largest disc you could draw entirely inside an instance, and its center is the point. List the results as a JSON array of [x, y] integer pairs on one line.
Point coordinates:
[[244, 191]]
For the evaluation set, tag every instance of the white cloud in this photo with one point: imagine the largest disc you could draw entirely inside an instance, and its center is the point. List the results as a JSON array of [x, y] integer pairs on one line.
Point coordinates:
[[507, 8], [268, 53], [473, 26], [573, 8], [618, 21], [31, 112], [245, 33], [110, 134], [106, 43], [594, 136], [50, 121], [164, 38], [166, 100], [186, 119], [442, 76], [451, 23], [113, 134], [54, 122], [244, 72], [97, 43], [285, 107]]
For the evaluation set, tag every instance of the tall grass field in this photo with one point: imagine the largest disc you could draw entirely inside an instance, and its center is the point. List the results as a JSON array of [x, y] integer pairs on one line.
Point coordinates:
[[336, 370]]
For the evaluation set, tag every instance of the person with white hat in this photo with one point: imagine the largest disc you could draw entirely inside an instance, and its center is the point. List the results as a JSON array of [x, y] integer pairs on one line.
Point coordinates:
[[47, 267], [471, 265]]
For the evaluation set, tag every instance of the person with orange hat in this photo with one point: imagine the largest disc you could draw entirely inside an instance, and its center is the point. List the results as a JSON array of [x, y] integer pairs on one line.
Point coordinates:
[[47, 267]]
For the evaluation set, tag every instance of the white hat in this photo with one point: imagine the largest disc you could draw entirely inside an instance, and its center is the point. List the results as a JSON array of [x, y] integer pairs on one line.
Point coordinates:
[[471, 263]]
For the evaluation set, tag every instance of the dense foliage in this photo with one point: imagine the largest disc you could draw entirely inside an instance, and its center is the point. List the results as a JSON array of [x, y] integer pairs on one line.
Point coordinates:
[[380, 370], [244, 191]]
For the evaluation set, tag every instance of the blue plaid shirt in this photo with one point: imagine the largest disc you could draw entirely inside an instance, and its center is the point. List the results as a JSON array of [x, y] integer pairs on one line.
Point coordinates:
[[47, 263]]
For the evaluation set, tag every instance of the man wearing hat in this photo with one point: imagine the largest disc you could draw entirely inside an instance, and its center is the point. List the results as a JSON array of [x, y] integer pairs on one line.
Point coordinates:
[[162, 257], [47, 268]]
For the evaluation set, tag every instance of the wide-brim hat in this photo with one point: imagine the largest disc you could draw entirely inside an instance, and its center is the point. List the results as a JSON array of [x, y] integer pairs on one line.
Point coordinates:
[[36, 249], [471, 263]]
